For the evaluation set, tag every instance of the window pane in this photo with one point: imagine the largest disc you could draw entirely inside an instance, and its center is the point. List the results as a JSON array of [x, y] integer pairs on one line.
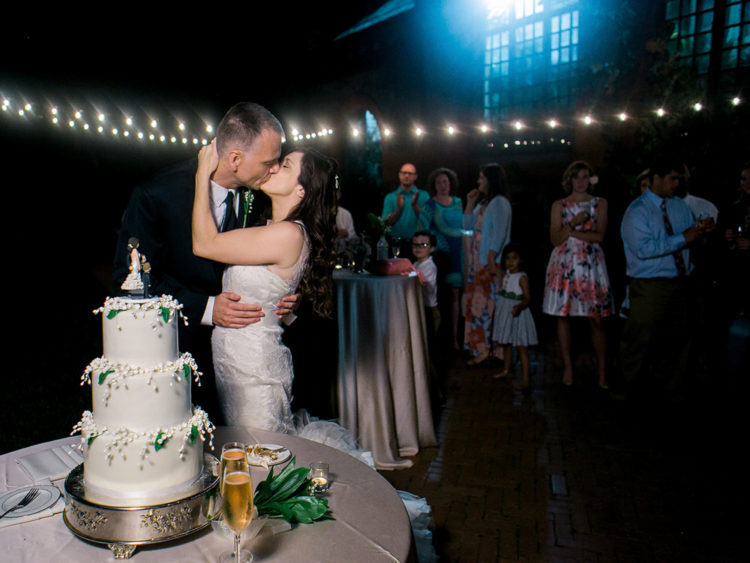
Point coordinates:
[[701, 64], [746, 32], [574, 37], [505, 38], [575, 18], [565, 55], [747, 12], [729, 58], [687, 26], [688, 7], [529, 31], [539, 45], [565, 21], [733, 15], [574, 51], [504, 54], [538, 29], [745, 57], [707, 4], [555, 44], [673, 9], [705, 21], [731, 36], [703, 43], [555, 24], [565, 38], [686, 46]]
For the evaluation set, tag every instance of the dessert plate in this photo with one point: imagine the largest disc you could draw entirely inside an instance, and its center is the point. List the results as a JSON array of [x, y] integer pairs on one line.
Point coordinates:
[[47, 496], [266, 455]]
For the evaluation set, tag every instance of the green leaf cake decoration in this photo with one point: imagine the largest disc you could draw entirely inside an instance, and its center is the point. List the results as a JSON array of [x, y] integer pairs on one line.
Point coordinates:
[[165, 313], [159, 442], [113, 313], [187, 370], [103, 375], [193, 433]]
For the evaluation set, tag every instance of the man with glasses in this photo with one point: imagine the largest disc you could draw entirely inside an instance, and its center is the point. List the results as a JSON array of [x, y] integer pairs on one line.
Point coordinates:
[[401, 207]]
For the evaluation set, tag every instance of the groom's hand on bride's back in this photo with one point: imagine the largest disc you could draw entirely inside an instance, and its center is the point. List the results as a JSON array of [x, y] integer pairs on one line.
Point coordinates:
[[229, 312]]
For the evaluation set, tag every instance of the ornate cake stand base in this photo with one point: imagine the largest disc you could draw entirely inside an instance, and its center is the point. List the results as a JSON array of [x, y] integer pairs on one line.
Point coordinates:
[[122, 529]]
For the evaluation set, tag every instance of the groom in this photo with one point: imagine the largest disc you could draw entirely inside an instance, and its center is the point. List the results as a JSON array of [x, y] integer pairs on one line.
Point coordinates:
[[159, 215]]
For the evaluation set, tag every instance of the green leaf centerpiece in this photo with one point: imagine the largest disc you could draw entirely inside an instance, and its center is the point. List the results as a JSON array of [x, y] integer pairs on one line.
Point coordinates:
[[285, 496], [103, 375]]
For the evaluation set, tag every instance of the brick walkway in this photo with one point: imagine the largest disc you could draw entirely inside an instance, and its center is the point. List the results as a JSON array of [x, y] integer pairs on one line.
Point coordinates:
[[568, 474]]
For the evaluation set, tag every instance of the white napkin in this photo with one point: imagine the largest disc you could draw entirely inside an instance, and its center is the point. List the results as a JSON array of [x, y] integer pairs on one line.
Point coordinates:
[[54, 463], [52, 510]]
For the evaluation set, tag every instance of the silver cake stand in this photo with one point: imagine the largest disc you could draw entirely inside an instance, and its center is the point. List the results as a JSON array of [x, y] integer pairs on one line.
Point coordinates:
[[122, 529]]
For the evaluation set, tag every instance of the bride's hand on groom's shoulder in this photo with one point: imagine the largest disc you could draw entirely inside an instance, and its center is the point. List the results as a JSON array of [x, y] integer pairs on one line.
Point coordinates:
[[229, 312]]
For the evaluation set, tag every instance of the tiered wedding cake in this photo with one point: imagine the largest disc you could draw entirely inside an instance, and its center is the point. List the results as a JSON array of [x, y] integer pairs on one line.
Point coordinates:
[[144, 439]]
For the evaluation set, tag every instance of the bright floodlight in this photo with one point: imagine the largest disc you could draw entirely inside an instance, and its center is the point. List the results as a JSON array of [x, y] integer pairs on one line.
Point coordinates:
[[518, 125], [355, 132], [77, 114], [101, 117], [154, 123], [552, 123], [660, 112], [27, 107], [484, 128], [622, 116], [418, 131], [697, 106], [451, 130], [387, 132], [181, 126], [209, 129], [128, 121], [736, 101], [588, 120], [53, 110]]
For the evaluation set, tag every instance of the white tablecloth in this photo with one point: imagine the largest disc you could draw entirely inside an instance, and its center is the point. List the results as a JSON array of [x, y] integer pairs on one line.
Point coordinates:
[[383, 368], [371, 521]]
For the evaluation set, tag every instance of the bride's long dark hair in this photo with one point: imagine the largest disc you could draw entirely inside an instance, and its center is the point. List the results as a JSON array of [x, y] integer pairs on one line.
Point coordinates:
[[317, 211]]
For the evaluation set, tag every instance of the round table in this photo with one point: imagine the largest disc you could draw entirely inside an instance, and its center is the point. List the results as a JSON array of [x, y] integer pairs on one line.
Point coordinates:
[[371, 523], [383, 365]]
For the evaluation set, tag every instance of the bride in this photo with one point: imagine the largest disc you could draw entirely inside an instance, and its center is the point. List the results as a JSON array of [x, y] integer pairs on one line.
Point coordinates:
[[253, 368]]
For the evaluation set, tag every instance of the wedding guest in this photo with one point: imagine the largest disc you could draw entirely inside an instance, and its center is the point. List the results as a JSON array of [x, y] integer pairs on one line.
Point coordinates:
[[642, 183], [577, 283], [736, 228], [402, 206], [442, 215], [656, 231], [159, 216], [344, 221], [514, 326], [488, 216], [423, 245]]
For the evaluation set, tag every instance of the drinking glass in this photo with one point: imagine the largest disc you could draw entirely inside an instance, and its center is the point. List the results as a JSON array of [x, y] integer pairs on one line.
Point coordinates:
[[237, 504], [231, 451], [396, 246]]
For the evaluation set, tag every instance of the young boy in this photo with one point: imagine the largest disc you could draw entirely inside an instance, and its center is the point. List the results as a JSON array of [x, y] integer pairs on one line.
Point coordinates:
[[422, 246]]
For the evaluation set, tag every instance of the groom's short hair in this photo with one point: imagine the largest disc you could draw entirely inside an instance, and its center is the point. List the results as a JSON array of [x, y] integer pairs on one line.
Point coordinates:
[[242, 124]]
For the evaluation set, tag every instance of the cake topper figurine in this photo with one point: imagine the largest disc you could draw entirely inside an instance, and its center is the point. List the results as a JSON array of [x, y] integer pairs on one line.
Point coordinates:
[[133, 284]]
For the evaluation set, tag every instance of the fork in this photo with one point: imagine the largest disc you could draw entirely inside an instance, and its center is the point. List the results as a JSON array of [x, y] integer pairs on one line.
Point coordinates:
[[31, 495]]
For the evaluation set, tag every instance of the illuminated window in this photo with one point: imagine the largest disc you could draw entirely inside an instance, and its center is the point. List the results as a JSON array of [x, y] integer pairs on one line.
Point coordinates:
[[690, 40], [735, 45], [531, 56]]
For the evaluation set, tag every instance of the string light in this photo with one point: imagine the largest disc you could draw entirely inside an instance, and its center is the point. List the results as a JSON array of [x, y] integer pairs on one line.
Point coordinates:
[[74, 117]]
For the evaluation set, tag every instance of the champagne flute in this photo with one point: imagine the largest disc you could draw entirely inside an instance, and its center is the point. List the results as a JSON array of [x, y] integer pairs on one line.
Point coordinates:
[[237, 504], [231, 451]]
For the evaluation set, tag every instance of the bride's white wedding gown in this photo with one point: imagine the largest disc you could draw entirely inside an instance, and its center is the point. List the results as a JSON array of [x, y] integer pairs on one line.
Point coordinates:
[[254, 369]]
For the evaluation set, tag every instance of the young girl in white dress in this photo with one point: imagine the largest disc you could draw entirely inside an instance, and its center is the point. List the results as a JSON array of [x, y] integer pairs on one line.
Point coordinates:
[[514, 325]]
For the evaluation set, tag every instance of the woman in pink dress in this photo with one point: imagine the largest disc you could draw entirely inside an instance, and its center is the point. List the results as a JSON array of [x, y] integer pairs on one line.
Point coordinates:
[[577, 284]]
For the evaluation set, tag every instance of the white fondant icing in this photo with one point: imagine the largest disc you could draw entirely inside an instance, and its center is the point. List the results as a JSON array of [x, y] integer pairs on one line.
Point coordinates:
[[144, 439]]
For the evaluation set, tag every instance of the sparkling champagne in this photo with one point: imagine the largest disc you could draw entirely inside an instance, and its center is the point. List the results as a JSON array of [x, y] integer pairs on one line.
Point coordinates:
[[231, 458], [238, 500]]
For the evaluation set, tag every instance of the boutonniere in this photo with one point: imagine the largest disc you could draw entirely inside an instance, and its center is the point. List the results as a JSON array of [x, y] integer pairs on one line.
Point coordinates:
[[247, 205]]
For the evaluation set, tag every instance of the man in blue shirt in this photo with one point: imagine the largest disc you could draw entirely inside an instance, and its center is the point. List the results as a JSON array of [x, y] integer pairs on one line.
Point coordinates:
[[401, 207], [656, 231]]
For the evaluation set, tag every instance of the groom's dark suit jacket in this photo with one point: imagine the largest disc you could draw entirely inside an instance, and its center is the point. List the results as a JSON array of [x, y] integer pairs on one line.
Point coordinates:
[[159, 215]]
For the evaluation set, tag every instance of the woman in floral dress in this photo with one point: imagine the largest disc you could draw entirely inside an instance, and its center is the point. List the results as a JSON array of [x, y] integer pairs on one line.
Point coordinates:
[[577, 284], [488, 215]]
